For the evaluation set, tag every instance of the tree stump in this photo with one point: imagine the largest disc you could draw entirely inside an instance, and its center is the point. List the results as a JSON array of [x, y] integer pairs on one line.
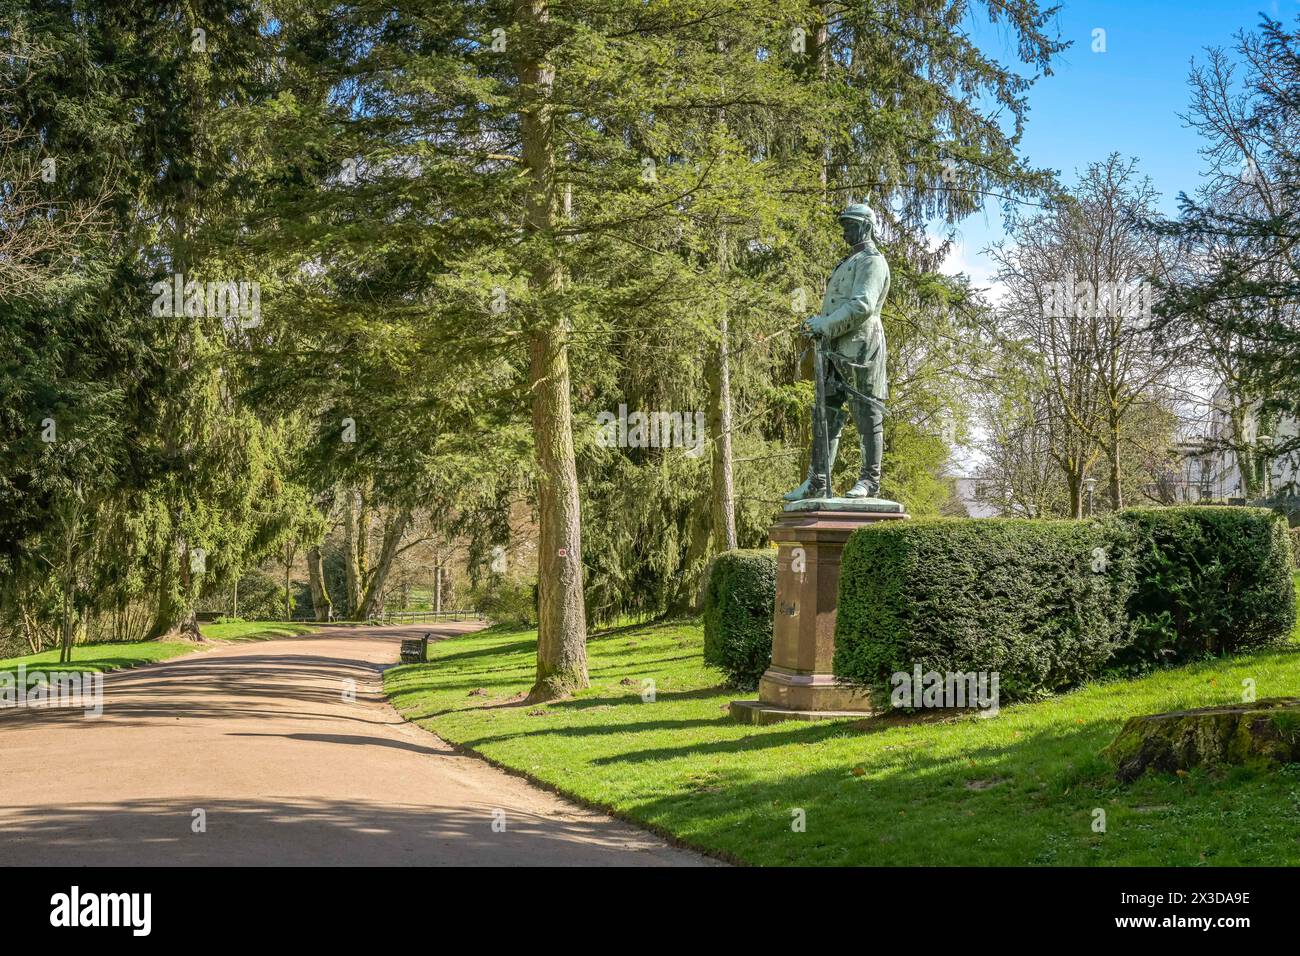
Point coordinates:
[[1263, 733]]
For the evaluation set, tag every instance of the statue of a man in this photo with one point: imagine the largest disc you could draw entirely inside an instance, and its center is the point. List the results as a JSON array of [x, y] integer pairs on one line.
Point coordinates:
[[849, 334]]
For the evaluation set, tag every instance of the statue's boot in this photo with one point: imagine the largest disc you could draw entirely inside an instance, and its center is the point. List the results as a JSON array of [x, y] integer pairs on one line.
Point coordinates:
[[814, 485], [863, 489], [801, 492]]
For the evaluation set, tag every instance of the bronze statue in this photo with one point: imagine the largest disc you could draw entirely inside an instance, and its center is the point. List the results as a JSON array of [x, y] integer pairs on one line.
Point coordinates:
[[849, 359]]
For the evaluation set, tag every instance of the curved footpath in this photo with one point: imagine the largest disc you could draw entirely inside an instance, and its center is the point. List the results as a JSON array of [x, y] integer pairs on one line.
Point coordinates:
[[260, 737]]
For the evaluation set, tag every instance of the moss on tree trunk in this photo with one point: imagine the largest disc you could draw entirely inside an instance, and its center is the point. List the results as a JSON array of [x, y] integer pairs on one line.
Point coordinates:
[[561, 614], [1264, 733]]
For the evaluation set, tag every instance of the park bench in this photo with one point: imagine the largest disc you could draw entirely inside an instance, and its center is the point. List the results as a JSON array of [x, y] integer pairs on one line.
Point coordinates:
[[415, 650]]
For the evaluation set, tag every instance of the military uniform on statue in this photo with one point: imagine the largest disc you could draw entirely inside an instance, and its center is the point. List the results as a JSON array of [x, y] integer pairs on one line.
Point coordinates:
[[849, 360]]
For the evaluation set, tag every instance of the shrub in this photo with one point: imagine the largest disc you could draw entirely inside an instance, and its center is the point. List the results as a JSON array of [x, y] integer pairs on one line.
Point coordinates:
[[1040, 602], [739, 602], [511, 601], [261, 596], [1049, 604], [1295, 545], [1210, 580]]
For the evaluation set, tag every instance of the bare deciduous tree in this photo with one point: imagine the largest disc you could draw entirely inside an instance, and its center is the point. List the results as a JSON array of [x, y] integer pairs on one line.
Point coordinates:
[[1079, 279]]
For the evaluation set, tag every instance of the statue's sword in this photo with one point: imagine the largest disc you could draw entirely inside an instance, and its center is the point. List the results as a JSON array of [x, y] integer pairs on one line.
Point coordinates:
[[845, 379], [819, 396]]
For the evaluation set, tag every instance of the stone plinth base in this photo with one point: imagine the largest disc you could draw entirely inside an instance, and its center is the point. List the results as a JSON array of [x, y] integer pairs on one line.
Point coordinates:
[[873, 505], [799, 684], [783, 687]]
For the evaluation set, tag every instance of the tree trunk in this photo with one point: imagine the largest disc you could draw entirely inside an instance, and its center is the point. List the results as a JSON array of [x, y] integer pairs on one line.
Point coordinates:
[[71, 515], [1264, 733], [169, 614], [1074, 482], [364, 511], [562, 620], [371, 602], [182, 620], [690, 586], [65, 646], [723, 510], [321, 605], [1247, 463], [354, 548], [1116, 482], [288, 565]]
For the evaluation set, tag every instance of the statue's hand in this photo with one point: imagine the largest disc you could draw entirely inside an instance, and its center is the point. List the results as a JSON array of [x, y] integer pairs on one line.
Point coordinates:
[[816, 326]]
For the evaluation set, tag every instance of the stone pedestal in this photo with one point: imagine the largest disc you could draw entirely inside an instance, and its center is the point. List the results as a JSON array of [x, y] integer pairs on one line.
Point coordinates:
[[799, 684]]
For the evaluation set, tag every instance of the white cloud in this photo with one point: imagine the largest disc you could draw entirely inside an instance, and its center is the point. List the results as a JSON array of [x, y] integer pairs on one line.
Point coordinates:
[[977, 267]]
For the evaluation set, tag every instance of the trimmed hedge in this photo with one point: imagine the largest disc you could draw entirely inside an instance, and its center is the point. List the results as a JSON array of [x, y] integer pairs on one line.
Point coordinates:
[[738, 606], [1210, 580], [1049, 604], [1295, 545], [1016, 596]]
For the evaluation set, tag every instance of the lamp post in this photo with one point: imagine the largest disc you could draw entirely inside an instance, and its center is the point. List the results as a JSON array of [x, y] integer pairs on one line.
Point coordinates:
[[1090, 484]]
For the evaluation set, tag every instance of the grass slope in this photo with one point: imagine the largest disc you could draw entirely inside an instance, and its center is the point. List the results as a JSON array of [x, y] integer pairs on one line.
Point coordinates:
[[254, 630], [101, 657], [1017, 789]]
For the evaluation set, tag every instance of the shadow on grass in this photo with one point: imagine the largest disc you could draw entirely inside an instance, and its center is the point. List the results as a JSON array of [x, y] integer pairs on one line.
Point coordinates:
[[491, 650], [647, 726], [606, 661], [647, 627], [633, 696], [1015, 802], [554, 708], [911, 752], [911, 811], [1027, 802]]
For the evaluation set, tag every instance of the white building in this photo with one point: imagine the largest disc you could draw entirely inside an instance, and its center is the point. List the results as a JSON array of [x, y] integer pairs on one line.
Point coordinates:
[[1212, 472], [966, 495]]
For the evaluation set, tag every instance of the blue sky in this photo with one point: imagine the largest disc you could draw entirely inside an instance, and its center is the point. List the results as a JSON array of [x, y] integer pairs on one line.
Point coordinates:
[[1127, 99]]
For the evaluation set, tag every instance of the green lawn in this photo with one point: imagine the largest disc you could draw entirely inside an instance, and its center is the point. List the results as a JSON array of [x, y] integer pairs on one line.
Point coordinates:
[[254, 630], [109, 657], [102, 657], [1017, 789]]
